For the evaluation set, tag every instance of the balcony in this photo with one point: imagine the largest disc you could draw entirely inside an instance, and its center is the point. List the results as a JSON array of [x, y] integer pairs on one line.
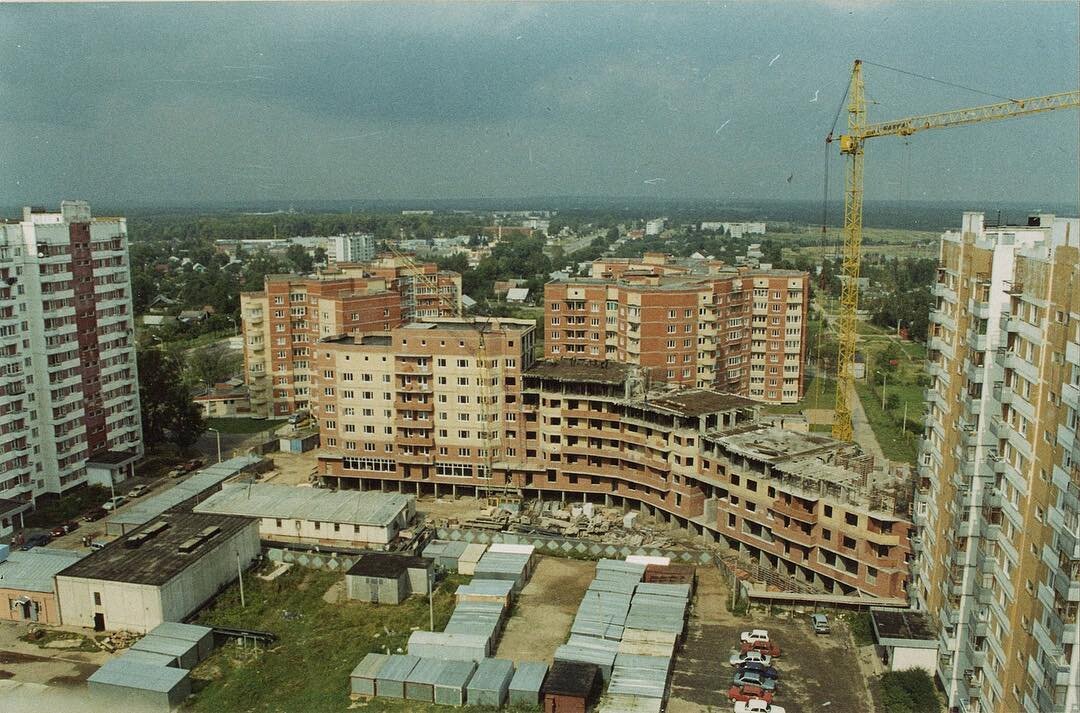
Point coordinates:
[[793, 511]]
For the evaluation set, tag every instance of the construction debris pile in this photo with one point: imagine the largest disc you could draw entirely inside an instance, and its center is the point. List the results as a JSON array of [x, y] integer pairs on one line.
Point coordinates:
[[604, 525]]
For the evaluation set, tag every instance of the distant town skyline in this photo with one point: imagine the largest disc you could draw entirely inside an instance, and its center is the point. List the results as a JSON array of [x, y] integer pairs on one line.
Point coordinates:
[[181, 104]]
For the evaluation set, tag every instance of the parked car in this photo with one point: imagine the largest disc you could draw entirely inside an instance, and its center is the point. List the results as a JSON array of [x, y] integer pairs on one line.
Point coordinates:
[[94, 515], [762, 647], [820, 622], [745, 693], [176, 472], [61, 530], [741, 657], [138, 491], [194, 464], [97, 544], [757, 705], [39, 539], [113, 503], [755, 667], [750, 678], [749, 637]]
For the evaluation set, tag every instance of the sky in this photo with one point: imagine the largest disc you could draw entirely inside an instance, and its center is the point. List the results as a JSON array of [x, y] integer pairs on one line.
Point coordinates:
[[188, 104]]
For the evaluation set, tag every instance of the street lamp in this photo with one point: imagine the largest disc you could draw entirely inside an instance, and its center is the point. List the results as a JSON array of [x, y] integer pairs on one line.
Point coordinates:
[[218, 434]]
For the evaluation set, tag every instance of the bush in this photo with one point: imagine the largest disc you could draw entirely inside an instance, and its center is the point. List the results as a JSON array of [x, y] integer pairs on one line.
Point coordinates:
[[910, 691], [862, 630]]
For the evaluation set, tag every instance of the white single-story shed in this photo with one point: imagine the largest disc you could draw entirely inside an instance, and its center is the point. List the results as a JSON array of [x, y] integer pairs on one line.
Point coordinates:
[[159, 572], [291, 514], [907, 637]]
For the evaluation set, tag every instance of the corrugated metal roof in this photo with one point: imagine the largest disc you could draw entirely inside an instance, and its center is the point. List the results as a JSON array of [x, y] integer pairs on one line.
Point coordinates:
[[33, 570], [184, 632], [486, 587], [508, 548], [134, 674], [653, 663], [146, 509], [456, 674], [649, 683], [624, 703], [681, 591], [148, 657], [457, 645], [651, 649], [605, 567], [529, 676], [491, 675], [349, 507], [164, 645], [649, 636], [398, 667], [617, 585], [473, 552], [426, 671], [369, 666]]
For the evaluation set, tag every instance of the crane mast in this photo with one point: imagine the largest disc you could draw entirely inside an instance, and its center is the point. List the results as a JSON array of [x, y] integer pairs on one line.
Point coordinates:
[[852, 146]]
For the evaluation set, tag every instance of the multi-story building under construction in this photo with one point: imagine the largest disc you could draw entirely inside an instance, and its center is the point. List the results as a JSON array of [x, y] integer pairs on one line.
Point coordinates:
[[407, 411], [998, 493], [282, 323], [694, 323]]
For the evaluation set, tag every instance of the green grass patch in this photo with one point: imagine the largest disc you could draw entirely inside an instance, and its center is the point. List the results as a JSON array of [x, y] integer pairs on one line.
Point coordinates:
[[910, 691], [243, 425], [318, 645], [862, 629]]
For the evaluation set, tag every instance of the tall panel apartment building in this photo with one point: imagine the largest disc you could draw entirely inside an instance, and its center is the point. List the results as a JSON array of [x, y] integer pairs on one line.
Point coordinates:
[[354, 247], [998, 496], [69, 392], [282, 322], [416, 401], [698, 324]]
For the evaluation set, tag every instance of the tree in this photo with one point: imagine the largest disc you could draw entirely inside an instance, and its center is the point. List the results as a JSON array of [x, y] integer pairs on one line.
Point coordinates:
[[299, 260], [320, 256], [168, 413], [212, 364]]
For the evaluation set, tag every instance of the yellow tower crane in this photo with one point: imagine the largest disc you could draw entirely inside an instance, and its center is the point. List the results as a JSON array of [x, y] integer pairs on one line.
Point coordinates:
[[851, 145]]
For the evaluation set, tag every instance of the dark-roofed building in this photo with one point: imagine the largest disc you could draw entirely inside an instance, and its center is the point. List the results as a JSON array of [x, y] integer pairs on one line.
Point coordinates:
[[571, 687], [908, 638], [161, 571], [384, 578]]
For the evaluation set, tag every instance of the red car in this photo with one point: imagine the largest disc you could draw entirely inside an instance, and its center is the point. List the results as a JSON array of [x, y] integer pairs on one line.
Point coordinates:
[[746, 692], [95, 514], [765, 647], [193, 464], [61, 530]]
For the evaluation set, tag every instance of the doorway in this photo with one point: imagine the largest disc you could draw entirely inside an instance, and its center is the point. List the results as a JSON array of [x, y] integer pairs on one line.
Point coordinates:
[[99, 622]]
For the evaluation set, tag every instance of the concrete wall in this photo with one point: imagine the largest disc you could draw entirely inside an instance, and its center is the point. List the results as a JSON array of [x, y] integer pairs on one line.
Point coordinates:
[[903, 658], [345, 535], [141, 607], [133, 607], [187, 591], [384, 590]]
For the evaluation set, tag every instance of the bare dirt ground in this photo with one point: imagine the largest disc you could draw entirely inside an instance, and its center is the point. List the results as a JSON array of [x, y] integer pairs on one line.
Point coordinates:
[[816, 672], [545, 610], [447, 508], [292, 468], [30, 663]]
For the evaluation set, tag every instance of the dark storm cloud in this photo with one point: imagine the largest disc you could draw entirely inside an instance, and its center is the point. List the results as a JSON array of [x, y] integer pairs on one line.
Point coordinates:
[[178, 103]]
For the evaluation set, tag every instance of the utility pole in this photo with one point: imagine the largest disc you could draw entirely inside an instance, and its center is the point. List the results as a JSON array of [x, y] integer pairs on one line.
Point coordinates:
[[240, 573], [431, 605]]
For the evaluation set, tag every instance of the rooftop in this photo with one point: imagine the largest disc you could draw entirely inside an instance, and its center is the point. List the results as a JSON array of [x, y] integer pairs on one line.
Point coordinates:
[[158, 557], [136, 674], [600, 372], [899, 624], [146, 509], [571, 678], [774, 445], [696, 402], [112, 457], [379, 564], [33, 571], [352, 507]]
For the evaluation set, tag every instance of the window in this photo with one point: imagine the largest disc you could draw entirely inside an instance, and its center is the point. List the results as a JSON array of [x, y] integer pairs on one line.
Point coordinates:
[[97, 599]]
